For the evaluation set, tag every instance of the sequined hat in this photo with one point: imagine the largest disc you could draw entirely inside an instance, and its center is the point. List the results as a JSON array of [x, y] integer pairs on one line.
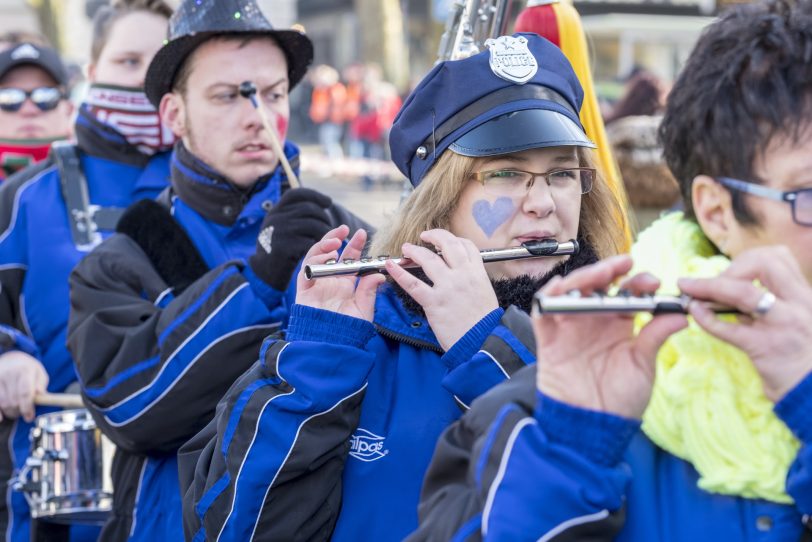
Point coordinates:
[[196, 21]]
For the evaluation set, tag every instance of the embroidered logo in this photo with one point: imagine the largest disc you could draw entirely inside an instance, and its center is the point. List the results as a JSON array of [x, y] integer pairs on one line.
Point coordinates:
[[367, 446], [265, 238], [511, 59], [25, 50]]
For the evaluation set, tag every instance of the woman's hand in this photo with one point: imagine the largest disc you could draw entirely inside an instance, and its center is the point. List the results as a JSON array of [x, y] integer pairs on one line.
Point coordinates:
[[779, 341], [595, 361], [346, 295], [461, 294]]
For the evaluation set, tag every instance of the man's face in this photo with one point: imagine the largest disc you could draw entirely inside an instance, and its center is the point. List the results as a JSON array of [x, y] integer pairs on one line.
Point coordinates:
[[30, 122], [218, 125]]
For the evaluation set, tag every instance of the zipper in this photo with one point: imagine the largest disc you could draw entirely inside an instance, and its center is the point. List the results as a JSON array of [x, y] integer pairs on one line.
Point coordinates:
[[411, 341]]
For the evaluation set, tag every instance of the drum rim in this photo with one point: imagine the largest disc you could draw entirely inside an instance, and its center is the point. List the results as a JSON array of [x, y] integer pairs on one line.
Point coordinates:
[[77, 419]]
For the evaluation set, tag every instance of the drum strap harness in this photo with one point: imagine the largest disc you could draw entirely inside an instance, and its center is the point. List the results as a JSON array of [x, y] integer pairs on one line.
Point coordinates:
[[85, 219]]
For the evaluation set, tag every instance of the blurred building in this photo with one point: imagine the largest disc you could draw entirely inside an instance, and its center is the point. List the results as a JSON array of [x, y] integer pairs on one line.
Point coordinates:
[[17, 15], [67, 23]]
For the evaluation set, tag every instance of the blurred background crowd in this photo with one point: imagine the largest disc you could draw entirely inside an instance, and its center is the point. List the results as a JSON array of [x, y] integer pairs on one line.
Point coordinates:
[[369, 54]]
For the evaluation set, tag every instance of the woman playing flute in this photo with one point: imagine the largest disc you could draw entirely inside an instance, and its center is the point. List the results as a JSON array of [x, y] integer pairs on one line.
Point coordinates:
[[329, 434], [589, 444]]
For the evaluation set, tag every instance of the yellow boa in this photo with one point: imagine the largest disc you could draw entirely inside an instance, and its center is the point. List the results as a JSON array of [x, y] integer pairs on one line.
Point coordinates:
[[708, 405]]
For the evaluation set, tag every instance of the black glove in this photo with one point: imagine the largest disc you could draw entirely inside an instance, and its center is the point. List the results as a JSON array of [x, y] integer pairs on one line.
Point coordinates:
[[288, 231]]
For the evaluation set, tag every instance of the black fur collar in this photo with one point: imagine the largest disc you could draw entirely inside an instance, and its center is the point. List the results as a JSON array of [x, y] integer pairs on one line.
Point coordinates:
[[165, 242]]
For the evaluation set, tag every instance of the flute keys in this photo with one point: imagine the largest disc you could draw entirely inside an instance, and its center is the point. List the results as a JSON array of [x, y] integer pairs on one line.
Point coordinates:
[[330, 262]]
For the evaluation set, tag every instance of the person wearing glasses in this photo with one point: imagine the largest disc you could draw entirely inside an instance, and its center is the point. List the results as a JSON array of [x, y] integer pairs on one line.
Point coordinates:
[[706, 436], [329, 434], [34, 107], [119, 157]]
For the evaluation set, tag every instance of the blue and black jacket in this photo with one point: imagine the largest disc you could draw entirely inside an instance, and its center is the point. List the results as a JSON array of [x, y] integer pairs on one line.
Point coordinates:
[[37, 253], [165, 317], [522, 466], [329, 434]]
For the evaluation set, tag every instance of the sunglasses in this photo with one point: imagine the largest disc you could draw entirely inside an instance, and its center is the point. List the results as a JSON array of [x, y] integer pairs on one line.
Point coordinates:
[[45, 98]]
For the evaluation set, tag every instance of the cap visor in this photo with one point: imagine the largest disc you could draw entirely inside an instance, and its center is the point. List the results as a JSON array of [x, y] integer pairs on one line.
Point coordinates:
[[520, 131]]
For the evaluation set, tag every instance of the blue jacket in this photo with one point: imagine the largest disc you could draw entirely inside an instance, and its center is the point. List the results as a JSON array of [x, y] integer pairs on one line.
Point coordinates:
[[522, 466], [37, 254], [165, 317], [329, 434]]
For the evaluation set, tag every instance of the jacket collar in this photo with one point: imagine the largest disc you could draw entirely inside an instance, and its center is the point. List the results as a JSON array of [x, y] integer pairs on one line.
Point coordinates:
[[214, 196], [394, 321]]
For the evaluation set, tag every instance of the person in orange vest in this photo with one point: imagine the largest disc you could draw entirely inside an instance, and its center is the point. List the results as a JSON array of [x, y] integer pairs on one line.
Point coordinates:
[[327, 109]]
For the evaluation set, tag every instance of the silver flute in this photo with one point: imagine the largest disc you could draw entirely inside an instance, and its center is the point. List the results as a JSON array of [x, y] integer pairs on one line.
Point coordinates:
[[366, 266], [656, 304]]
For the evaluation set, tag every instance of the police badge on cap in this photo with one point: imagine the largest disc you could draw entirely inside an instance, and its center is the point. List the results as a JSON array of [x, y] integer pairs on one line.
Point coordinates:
[[511, 59]]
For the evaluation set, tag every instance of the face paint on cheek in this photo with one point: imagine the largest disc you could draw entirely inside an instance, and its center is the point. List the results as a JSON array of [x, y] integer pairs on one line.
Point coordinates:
[[281, 127], [489, 216]]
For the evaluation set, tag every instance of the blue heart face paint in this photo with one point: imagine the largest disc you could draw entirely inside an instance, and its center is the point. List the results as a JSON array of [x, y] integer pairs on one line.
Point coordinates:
[[489, 216]]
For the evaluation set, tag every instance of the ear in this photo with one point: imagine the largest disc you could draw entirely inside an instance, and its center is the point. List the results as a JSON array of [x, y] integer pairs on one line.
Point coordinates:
[[173, 113], [714, 211], [91, 72]]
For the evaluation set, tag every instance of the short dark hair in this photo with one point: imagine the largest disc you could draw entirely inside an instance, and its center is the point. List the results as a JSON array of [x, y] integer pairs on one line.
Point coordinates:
[[107, 16], [748, 80], [244, 38]]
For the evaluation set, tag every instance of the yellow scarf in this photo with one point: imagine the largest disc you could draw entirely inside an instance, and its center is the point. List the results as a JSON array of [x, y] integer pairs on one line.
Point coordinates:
[[708, 405]]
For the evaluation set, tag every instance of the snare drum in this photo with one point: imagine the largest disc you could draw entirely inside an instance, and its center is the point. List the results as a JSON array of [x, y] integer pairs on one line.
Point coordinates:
[[66, 479]]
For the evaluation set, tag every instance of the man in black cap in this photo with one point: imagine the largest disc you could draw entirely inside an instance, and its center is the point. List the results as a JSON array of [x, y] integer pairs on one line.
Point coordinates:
[[34, 109], [166, 315]]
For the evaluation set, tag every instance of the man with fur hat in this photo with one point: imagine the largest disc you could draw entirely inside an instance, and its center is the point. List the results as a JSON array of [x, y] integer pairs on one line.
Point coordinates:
[[167, 314]]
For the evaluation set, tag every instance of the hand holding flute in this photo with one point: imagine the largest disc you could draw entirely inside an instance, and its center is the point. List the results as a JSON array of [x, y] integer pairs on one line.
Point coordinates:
[[458, 296]]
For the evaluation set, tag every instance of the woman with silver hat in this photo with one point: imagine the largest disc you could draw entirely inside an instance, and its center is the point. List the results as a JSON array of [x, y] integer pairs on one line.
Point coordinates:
[[329, 434]]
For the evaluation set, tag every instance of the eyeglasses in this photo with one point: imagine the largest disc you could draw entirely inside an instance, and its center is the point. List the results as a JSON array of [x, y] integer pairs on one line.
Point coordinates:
[[799, 200], [45, 98], [516, 183]]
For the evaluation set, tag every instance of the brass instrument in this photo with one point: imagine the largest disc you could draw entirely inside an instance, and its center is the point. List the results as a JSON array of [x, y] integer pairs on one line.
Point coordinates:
[[365, 266], [469, 24]]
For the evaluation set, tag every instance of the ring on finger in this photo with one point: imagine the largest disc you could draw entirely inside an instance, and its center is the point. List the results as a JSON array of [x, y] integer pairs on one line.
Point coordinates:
[[765, 303]]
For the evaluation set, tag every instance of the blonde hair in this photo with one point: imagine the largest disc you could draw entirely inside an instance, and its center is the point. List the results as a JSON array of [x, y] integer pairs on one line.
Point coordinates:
[[602, 221]]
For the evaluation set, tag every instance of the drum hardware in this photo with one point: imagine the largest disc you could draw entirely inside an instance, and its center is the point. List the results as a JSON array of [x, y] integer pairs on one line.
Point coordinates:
[[66, 478], [366, 266]]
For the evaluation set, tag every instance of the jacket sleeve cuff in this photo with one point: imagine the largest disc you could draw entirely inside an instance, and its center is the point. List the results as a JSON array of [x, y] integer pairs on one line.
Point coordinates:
[[270, 297], [601, 437], [12, 339], [470, 343], [319, 325], [795, 407]]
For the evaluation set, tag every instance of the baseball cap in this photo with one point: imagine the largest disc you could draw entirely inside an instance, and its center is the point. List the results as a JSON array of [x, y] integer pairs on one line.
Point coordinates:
[[35, 55]]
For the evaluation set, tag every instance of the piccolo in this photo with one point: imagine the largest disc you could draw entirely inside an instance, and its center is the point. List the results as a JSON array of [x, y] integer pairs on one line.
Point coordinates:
[[655, 304], [366, 266]]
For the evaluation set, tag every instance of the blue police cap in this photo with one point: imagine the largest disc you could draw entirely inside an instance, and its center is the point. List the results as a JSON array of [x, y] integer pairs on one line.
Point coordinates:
[[521, 93]]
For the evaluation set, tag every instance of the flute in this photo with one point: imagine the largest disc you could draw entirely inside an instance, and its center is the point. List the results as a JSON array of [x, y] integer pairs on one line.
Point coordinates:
[[655, 304], [366, 266]]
